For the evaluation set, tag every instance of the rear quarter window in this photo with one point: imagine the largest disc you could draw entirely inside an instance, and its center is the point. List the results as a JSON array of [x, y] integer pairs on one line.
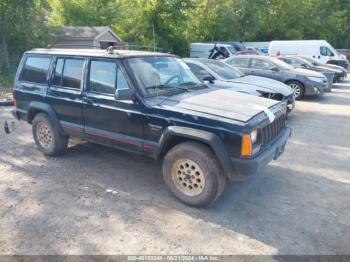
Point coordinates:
[[35, 69]]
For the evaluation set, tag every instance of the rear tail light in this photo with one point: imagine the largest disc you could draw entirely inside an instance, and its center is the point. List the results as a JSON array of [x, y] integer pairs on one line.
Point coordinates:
[[14, 99]]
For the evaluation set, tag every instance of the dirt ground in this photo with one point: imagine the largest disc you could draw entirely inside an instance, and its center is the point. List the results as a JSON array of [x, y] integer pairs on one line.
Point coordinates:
[[96, 200]]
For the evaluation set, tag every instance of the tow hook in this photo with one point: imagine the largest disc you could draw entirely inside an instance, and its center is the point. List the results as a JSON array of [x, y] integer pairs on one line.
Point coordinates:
[[9, 128]]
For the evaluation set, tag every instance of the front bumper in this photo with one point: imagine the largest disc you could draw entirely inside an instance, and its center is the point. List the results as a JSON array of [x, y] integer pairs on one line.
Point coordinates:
[[247, 167], [314, 88]]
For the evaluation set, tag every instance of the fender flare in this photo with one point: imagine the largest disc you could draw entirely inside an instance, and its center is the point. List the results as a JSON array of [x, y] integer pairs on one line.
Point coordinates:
[[45, 108], [211, 139]]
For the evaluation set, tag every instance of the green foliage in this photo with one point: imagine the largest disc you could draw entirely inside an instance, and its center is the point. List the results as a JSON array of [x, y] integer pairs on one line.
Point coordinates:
[[172, 24]]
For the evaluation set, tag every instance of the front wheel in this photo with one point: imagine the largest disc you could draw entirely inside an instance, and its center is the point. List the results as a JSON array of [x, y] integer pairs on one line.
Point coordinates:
[[193, 174], [298, 89]]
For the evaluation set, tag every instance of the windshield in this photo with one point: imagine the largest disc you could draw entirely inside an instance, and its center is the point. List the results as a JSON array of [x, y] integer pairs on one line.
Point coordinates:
[[223, 70], [280, 63], [162, 75]]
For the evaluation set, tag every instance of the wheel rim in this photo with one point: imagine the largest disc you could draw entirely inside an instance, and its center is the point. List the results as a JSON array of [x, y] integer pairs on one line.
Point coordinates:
[[188, 177], [44, 135], [296, 89]]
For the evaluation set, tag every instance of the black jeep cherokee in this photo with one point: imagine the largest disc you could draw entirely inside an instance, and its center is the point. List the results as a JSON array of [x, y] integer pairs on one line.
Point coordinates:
[[151, 104]]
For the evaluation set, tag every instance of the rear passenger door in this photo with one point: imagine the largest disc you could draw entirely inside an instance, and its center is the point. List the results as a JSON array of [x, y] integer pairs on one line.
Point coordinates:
[[107, 120], [65, 93]]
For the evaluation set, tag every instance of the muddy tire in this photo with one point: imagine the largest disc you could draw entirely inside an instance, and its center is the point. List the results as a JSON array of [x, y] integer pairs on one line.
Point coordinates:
[[298, 89], [193, 174], [49, 141]]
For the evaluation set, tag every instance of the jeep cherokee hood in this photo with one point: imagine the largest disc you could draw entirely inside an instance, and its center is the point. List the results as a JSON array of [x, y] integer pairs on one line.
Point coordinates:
[[220, 102]]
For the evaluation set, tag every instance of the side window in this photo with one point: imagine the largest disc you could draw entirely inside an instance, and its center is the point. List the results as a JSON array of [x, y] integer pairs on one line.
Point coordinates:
[[35, 69], [329, 52], [323, 50], [103, 76], [121, 80], [57, 78], [68, 72], [293, 62], [261, 64], [199, 72], [238, 62], [72, 73]]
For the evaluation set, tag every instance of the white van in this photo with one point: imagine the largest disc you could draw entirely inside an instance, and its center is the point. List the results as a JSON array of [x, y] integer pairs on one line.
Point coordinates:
[[203, 50], [320, 50]]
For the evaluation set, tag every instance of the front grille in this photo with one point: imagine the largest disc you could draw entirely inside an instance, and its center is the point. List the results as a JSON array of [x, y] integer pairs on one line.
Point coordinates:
[[272, 130]]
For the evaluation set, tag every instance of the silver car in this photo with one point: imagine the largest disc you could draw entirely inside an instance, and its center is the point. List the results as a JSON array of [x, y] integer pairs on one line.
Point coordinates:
[[221, 75], [303, 82]]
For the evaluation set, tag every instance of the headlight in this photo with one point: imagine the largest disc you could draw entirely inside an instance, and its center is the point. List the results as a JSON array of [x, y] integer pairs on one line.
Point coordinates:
[[254, 136], [316, 79]]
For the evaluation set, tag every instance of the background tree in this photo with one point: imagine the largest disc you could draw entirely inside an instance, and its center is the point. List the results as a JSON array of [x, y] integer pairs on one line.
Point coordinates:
[[25, 24]]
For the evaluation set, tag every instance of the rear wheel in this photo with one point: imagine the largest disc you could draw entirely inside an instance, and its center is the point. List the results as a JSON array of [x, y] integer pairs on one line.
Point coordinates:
[[47, 137], [193, 174], [298, 89]]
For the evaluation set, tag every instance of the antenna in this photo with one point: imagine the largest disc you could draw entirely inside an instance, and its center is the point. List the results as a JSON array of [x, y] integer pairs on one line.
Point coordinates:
[[154, 61]]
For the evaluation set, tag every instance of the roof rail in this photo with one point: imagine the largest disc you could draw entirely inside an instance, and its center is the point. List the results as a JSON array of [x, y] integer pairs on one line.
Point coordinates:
[[49, 46], [111, 48], [135, 47]]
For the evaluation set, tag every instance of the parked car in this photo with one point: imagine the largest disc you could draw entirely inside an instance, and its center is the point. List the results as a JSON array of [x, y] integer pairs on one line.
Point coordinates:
[[298, 62], [221, 75], [151, 104], [303, 82], [211, 50], [330, 66], [320, 50], [239, 47], [345, 52]]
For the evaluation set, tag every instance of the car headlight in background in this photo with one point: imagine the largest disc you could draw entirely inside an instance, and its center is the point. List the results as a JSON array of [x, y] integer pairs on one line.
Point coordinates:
[[316, 79]]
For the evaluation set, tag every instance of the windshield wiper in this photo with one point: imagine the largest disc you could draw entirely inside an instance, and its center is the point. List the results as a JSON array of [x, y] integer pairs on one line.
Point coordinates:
[[162, 87], [188, 83], [193, 85]]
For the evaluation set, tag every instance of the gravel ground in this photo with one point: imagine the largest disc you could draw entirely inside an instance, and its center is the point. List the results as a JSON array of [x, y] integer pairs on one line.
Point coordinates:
[[96, 200]]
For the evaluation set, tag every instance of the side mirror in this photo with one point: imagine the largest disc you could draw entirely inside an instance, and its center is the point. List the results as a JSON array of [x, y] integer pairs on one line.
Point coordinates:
[[209, 79], [124, 94], [275, 69]]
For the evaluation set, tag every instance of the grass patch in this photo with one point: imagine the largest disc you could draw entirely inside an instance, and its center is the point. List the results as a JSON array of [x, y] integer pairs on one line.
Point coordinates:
[[6, 82]]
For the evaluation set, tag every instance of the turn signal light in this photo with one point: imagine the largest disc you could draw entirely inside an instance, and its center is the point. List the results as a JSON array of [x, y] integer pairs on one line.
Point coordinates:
[[246, 148]]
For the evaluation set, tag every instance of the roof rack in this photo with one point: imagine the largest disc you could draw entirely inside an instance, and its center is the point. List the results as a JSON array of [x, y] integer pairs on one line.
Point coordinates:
[[110, 49], [49, 46]]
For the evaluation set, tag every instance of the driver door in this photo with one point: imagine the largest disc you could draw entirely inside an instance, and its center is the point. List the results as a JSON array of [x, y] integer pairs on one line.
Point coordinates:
[[107, 120]]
